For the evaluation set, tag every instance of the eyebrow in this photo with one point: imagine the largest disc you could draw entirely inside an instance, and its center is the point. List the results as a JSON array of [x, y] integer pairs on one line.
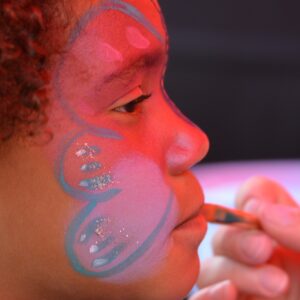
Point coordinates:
[[147, 60]]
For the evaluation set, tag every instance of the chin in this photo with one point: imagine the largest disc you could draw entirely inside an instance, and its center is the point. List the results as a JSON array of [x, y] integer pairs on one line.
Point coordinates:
[[187, 266], [179, 273], [172, 278]]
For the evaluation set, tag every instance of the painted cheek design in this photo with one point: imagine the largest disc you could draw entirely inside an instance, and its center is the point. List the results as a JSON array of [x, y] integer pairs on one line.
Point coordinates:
[[128, 209], [136, 39], [90, 167], [93, 49], [109, 54]]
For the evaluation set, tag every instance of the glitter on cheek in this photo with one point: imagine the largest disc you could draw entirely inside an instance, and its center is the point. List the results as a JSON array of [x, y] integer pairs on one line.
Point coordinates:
[[100, 245], [97, 183], [94, 249], [101, 228], [96, 237], [89, 167], [123, 232], [87, 151], [136, 39], [113, 230], [96, 226], [128, 236], [111, 256]]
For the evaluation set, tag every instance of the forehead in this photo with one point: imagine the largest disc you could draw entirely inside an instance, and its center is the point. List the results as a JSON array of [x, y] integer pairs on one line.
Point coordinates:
[[113, 34], [115, 19], [113, 42]]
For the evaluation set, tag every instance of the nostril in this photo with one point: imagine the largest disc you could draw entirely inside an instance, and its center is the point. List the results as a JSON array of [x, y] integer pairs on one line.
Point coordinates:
[[179, 161]]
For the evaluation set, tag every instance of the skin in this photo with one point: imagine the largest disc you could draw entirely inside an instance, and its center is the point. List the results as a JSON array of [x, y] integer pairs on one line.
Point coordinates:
[[149, 205], [257, 265]]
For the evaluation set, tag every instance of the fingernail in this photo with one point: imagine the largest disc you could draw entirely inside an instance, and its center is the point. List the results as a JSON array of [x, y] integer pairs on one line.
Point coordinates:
[[219, 291], [282, 215], [273, 281], [256, 248], [253, 205]]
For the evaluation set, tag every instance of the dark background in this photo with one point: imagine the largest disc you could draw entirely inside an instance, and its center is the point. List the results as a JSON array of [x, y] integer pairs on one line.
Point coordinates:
[[234, 69]]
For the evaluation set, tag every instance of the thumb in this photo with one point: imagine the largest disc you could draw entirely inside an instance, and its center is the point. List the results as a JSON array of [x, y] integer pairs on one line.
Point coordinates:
[[264, 189], [278, 212], [281, 222], [224, 290]]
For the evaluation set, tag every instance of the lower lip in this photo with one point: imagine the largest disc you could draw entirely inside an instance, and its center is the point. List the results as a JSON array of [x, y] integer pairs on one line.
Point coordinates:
[[193, 229]]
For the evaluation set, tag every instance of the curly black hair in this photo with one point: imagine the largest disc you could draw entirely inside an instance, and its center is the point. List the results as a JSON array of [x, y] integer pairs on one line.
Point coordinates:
[[24, 25]]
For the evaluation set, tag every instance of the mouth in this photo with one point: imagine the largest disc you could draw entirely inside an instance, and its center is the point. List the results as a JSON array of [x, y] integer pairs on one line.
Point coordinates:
[[191, 218], [192, 230], [193, 225], [192, 203]]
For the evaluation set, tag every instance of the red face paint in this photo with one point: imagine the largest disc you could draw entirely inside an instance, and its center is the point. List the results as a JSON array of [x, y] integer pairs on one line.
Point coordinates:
[[121, 166], [136, 39]]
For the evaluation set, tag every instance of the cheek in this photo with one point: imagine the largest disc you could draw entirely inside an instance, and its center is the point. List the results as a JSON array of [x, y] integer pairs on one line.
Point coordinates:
[[127, 211]]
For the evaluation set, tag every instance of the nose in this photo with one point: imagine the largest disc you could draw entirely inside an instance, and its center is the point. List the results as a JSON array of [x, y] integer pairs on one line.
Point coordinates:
[[189, 145]]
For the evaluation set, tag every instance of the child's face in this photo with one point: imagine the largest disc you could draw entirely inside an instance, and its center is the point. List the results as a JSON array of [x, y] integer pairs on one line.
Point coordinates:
[[119, 163]]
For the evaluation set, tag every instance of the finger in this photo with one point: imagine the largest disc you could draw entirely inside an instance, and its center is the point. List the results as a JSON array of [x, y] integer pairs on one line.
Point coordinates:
[[250, 247], [280, 221], [260, 196], [265, 190], [264, 281], [224, 290]]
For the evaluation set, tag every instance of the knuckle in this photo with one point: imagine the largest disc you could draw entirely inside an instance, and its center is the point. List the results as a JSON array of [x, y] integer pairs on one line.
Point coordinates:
[[255, 248]]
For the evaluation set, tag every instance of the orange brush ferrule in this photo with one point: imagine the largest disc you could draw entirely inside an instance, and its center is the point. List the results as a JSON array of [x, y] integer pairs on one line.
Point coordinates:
[[214, 213]]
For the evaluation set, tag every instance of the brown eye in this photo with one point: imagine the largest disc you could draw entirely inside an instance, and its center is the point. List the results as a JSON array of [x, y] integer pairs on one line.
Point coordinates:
[[132, 106]]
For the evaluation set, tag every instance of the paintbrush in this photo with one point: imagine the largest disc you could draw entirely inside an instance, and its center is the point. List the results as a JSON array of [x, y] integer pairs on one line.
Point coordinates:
[[214, 213]]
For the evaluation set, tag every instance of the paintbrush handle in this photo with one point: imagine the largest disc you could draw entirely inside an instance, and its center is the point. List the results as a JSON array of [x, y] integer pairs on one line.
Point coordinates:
[[222, 215]]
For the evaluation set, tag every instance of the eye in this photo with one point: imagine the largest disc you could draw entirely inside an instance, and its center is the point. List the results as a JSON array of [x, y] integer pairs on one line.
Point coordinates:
[[132, 106], [130, 103]]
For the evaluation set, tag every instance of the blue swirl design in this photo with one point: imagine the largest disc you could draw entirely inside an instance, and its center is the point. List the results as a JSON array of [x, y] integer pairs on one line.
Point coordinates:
[[94, 198], [117, 5], [78, 193], [94, 190]]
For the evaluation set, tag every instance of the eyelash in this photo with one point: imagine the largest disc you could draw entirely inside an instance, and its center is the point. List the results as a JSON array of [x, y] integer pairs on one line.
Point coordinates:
[[131, 106]]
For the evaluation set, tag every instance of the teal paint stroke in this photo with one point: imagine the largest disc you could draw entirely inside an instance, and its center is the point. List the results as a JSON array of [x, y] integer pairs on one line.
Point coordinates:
[[140, 251]]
